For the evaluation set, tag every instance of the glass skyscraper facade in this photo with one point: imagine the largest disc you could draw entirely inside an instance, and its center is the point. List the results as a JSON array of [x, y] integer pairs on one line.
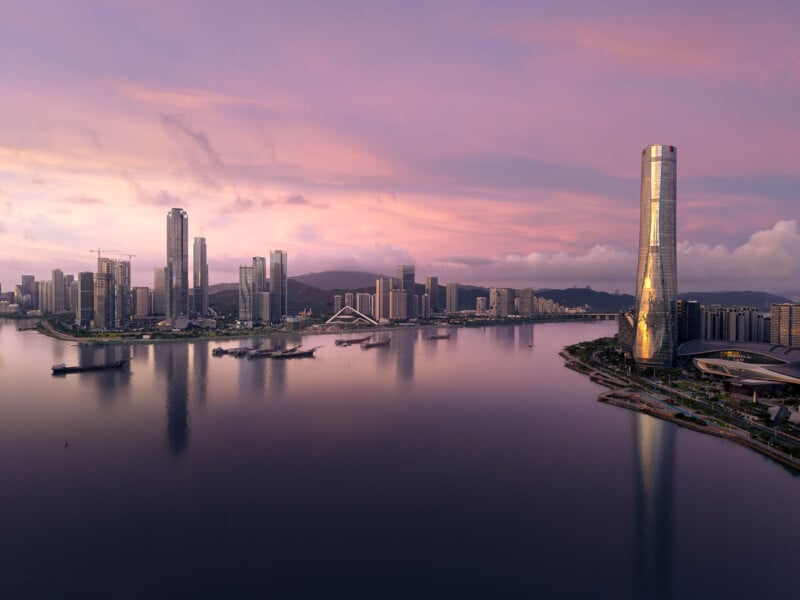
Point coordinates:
[[200, 270], [177, 263], [657, 272], [278, 284]]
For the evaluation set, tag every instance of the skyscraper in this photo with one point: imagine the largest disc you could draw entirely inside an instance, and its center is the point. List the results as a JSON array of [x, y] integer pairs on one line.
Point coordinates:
[[432, 289], [177, 263], [84, 312], [657, 272], [159, 291], [58, 302], [383, 286], [451, 298], [246, 294], [200, 270], [122, 293], [259, 287], [406, 275], [278, 284]]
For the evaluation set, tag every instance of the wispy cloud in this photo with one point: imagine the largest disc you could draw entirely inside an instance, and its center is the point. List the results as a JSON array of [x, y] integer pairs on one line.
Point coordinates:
[[204, 163]]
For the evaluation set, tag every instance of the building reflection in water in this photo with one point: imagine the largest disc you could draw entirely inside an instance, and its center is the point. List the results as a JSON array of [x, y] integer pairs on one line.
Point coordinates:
[[199, 370], [503, 337], [405, 346], [654, 452], [174, 360], [110, 382]]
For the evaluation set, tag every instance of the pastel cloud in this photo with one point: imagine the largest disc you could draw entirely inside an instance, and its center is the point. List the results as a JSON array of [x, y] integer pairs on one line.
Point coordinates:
[[431, 132]]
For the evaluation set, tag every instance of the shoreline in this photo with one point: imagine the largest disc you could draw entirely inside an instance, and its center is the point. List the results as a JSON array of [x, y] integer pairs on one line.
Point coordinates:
[[45, 328], [625, 395]]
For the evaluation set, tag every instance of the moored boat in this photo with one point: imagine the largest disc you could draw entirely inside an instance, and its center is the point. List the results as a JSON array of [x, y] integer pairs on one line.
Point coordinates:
[[376, 343], [62, 369], [439, 336], [295, 353], [350, 342]]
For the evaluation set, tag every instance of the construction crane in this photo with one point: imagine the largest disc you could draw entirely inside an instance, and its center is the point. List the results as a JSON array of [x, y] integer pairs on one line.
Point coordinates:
[[130, 256], [99, 250]]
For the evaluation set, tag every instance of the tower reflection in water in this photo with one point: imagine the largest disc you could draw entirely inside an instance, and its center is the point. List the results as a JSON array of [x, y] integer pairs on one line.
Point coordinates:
[[654, 452], [174, 359]]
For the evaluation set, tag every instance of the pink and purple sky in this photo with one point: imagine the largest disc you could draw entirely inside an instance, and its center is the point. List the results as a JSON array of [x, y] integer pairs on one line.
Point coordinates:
[[485, 142]]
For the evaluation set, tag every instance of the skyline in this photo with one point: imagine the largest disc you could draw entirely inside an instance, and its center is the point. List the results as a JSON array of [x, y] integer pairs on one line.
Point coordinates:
[[491, 147]]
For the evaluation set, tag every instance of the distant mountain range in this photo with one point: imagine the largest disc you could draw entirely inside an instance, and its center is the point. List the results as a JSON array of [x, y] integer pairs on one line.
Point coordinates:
[[339, 280], [316, 290]]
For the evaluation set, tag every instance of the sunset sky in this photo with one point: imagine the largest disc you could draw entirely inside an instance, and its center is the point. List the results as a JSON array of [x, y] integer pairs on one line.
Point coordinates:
[[484, 142]]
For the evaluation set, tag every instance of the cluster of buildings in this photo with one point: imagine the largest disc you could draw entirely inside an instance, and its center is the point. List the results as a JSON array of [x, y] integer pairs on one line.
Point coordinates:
[[400, 299], [104, 299], [261, 300]]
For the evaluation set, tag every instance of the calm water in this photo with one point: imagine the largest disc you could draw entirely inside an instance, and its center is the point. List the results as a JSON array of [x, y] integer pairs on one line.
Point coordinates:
[[469, 467]]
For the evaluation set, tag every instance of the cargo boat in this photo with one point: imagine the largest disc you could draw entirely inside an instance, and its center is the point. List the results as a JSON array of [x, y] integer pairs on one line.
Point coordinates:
[[439, 336], [62, 369], [344, 342], [294, 353], [376, 344]]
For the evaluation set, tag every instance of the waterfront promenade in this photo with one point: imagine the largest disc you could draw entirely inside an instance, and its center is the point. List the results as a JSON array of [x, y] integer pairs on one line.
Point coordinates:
[[667, 402]]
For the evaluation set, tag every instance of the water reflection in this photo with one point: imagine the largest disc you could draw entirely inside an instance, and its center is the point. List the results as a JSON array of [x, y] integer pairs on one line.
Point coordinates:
[[654, 452], [174, 360], [405, 355], [107, 382], [199, 370], [503, 337]]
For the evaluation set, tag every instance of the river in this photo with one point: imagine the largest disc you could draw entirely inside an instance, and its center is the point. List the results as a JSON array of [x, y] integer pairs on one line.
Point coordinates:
[[471, 467]]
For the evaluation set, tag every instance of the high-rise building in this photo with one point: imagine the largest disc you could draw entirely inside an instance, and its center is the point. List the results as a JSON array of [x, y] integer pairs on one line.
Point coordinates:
[[58, 301], [657, 271], [200, 270], [688, 318], [103, 300], [383, 286], [501, 301], [84, 313], [246, 294], [141, 301], [348, 299], [259, 286], [406, 276], [785, 326], [432, 289], [26, 297], [451, 298], [177, 263], [525, 302], [122, 293], [425, 306], [364, 303], [159, 306], [279, 284], [480, 305], [46, 295], [337, 303], [398, 305]]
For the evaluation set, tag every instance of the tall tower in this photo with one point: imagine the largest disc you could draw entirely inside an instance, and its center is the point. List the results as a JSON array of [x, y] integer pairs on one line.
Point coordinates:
[[246, 294], [259, 287], [278, 284], [657, 272], [432, 289], [383, 287], [177, 263], [200, 269], [406, 275]]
